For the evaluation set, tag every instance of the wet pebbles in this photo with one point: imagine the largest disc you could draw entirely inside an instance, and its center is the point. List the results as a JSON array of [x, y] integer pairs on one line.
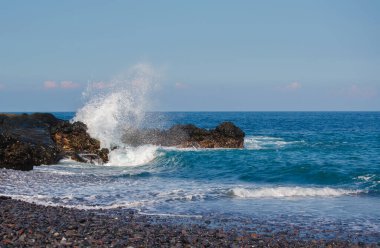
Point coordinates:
[[24, 224]]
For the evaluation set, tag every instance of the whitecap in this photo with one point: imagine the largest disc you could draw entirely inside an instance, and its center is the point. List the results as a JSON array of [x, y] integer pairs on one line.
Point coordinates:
[[133, 156], [366, 178]]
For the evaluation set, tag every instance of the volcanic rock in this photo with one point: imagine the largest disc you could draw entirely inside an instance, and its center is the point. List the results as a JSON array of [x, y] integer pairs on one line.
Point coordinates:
[[35, 139], [25, 141], [73, 139], [225, 135]]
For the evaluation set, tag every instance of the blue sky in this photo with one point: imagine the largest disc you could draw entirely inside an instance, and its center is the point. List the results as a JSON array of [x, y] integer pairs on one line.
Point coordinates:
[[212, 55]]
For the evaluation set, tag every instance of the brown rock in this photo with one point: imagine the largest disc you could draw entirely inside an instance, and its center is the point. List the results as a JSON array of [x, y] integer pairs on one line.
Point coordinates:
[[32, 140], [75, 142]]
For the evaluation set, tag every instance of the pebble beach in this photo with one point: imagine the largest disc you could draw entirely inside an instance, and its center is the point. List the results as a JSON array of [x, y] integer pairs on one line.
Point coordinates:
[[29, 225]]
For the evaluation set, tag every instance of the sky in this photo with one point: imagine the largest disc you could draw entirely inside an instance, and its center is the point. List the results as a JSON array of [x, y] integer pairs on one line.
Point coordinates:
[[211, 55]]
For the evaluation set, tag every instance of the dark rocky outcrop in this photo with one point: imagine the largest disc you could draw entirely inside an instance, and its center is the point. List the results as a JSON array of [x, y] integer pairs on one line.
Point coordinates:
[[35, 139], [226, 135], [73, 139], [19, 154], [25, 141]]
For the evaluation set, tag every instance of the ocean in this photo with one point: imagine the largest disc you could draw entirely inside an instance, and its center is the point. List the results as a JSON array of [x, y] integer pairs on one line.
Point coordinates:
[[314, 170]]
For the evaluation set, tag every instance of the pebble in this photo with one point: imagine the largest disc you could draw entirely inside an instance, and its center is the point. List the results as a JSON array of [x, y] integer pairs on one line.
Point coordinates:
[[22, 238], [63, 240]]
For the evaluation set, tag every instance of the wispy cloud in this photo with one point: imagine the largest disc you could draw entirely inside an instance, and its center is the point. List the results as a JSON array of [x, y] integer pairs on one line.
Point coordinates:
[[69, 85], [293, 85], [356, 91], [100, 85], [180, 85], [2, 86], [49, 84]]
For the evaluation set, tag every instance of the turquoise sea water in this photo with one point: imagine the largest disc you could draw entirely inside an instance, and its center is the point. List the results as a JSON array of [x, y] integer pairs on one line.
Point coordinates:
[[316, 170]]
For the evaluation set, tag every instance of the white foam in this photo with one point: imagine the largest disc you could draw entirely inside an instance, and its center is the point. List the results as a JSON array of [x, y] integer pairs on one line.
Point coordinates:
[[56, 172], [172, 215], [183, 195], [192, 149], [133, 156], [47, 201], [366, 178], [266, 142], [279, 192]]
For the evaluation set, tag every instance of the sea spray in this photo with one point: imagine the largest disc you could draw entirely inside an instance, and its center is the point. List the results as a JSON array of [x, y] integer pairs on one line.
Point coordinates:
[[114, 107]]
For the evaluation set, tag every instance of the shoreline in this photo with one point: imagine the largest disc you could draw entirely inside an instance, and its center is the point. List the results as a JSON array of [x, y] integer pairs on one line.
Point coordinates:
[[28, 224]]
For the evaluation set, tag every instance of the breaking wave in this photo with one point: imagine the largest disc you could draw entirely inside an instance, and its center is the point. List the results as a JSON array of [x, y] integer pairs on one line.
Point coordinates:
[[266, 142], [44, 200], [118, 105], [133, 156], [113, 108]]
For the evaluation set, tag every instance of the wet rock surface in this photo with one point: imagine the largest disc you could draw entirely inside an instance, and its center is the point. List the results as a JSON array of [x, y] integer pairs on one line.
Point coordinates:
[[25, 141], [24, 224], [225, 135], [35, 139]]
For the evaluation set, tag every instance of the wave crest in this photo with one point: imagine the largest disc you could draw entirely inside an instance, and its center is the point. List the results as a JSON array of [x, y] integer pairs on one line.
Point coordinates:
[[119, 106], [279, 192]]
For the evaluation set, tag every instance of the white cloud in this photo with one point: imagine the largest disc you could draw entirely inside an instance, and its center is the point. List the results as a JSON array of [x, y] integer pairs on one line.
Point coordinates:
[[356, 91], [68, 85], [293, 85], [50, 84], [180, 85]]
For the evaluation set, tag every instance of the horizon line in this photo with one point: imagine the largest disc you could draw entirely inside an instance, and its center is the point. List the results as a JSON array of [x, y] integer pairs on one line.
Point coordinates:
[[202, 111]]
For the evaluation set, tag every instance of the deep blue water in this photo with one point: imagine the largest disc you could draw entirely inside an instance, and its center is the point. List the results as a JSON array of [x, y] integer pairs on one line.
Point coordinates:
[[313, 169]]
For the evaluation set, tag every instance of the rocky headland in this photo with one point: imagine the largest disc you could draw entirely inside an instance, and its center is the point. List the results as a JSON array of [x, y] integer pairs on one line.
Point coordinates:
[[28, 140]]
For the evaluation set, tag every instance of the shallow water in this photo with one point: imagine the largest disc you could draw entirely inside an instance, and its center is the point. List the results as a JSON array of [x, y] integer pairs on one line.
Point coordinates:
[[313, 170]]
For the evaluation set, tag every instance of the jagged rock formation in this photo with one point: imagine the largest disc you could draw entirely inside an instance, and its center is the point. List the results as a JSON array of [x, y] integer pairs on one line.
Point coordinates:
[[31, 140], [73, 139], [225, 135]]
